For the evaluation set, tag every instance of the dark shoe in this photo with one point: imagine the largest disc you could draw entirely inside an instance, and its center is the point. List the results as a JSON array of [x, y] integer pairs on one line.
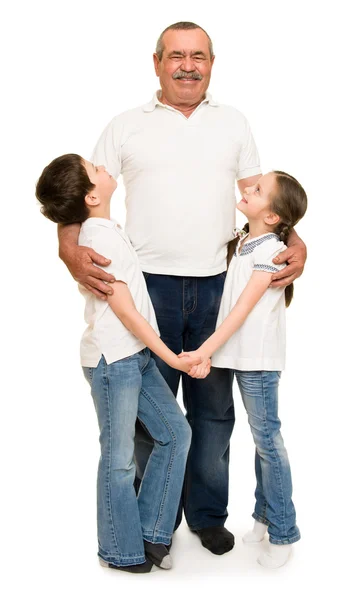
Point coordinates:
[[158, 554], [145, 567], [216, 539]]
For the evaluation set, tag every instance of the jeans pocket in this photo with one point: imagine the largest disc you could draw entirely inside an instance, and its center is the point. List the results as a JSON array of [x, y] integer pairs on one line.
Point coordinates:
[[88, 374]]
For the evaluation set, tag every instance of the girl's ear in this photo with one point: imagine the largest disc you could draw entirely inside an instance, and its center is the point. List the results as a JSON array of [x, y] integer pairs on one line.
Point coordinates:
[[92, 200], [272, 219]]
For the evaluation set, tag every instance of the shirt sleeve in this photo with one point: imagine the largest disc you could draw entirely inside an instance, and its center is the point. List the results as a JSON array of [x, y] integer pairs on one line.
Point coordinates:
[[248, 163], [105, 241], [264, 254], [107, 152]]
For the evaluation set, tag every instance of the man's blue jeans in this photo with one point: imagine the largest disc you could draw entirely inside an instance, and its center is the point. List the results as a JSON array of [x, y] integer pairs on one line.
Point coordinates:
[[186, 309], [274, 506], [122, 391]]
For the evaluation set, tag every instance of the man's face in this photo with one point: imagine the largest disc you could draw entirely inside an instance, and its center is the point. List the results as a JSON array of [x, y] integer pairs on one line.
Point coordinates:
[[185, 66]]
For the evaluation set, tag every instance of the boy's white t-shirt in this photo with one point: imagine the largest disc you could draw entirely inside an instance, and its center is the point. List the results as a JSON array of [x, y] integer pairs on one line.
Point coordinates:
[[106, 335], [259, 344]]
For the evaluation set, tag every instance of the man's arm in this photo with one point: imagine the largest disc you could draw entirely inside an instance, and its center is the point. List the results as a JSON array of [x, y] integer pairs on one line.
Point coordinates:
[[296, 256], [79, 261]]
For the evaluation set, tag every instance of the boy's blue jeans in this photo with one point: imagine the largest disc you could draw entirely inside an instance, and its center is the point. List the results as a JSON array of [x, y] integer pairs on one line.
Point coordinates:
[[122, 391], [274, 506]]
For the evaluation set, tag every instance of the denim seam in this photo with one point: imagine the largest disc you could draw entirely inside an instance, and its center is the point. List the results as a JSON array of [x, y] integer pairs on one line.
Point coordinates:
[[126, 560], [108, 484], [173, 437], [195, 301], [277, 471]]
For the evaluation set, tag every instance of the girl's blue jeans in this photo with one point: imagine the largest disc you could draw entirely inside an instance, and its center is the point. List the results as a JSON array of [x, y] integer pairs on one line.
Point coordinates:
[[122, 391], [274, 506]]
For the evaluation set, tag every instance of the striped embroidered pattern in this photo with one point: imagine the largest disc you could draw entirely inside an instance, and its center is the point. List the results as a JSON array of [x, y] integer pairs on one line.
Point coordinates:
[[265, 268], [249, 247]]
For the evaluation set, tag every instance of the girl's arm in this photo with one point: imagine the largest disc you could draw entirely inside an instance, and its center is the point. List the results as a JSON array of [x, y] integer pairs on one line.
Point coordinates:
[[124, 308], [254, 290]]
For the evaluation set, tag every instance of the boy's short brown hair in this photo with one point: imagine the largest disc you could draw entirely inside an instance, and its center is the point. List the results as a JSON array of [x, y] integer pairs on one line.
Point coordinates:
[[62, 188]]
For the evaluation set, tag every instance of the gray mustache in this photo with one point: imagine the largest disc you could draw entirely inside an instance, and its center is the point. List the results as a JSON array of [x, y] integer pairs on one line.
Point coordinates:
[[187, 75]]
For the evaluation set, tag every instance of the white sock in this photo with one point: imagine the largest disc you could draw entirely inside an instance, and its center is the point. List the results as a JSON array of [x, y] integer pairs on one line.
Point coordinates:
[[256, 534], [276, 556]]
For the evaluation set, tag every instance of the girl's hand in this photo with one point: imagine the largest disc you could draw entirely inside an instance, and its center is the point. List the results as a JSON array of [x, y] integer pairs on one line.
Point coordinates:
[[201, 370], [186, 363]]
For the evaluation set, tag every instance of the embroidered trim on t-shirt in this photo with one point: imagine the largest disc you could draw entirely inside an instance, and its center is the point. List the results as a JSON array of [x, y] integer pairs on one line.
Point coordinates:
[[265, 268], [249, 247]]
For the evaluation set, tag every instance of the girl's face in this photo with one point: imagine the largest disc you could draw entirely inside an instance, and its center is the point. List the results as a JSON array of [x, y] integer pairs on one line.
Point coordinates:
[[104, 183], [256, 200]]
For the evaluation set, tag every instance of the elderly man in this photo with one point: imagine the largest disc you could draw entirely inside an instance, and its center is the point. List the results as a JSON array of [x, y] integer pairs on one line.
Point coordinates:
[[180, 156]]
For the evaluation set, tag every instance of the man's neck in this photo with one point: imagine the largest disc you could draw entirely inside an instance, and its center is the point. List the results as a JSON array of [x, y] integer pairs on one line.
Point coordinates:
[[185, 108]]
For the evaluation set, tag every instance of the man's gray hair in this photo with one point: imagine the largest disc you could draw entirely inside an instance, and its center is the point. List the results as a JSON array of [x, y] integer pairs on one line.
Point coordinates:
[[180, 26]]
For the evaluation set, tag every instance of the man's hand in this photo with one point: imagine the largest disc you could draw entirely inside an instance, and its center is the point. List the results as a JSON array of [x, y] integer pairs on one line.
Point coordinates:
[[79, 262], [296, 256], [201, 369]]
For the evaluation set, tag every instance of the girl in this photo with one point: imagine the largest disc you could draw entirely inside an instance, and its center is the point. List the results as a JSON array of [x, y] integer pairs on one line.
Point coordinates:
[[250, 338], [133, 531]]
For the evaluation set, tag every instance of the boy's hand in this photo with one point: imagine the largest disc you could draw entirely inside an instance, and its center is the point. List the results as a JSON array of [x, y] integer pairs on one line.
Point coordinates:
[[80, 261], [185, 363], [200, 370]]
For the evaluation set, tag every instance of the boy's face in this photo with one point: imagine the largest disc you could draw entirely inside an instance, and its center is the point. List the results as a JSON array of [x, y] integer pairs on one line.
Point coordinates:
[[104, 183]]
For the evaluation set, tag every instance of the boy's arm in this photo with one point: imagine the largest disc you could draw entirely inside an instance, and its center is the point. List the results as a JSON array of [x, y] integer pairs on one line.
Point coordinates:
[[124, 308], [254, 290], [79, 261]]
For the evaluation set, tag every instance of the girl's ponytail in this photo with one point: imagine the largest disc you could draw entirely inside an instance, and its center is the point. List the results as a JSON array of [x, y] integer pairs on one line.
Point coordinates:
[[283, 231], [232, 245]]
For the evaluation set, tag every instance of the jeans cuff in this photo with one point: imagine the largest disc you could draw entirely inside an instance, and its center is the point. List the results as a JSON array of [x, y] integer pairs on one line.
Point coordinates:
[[123, 561], [282, 541], [260, 519], [157, 537]]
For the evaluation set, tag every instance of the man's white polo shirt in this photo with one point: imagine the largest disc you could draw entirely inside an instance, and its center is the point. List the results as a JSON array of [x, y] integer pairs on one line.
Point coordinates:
[[105, 333], [179, 176]]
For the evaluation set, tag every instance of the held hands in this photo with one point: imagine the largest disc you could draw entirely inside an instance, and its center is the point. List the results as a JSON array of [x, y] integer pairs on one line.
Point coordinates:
[[184, 362], [201, 368]]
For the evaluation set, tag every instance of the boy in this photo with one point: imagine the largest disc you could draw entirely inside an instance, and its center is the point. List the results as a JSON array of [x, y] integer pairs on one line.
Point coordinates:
[[133, 532]]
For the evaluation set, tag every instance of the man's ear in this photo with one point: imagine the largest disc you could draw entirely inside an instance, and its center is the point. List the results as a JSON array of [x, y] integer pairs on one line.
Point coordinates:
[[92, 200], [271, 219], [156, 64]]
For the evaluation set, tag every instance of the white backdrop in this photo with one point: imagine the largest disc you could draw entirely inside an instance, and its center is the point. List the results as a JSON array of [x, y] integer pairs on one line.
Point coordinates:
[[67, 69]]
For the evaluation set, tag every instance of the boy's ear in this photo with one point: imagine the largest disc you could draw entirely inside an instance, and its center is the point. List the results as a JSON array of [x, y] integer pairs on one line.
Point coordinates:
[[92, 200], [272, 219]]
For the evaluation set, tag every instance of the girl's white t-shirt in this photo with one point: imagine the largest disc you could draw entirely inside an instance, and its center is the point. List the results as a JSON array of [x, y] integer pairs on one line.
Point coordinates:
[[259, 344], [106, 335]]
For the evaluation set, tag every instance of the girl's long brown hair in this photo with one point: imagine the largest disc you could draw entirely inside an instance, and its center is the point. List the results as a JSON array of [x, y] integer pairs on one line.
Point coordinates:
[[289, 202]]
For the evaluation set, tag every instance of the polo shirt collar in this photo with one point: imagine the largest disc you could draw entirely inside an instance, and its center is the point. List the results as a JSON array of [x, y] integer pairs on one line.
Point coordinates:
[[155, 102], [99, 221]]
